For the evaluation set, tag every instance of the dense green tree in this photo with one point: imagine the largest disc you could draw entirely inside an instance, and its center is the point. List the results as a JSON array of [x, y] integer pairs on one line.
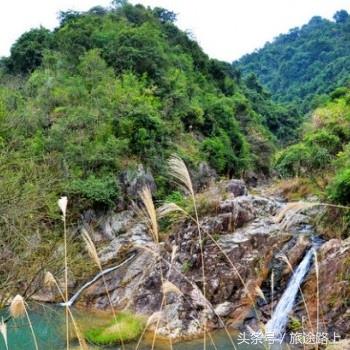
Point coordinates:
[[112, 88], [341, 16], [324, 150], [304, 65], [28, 50], [164, 15]]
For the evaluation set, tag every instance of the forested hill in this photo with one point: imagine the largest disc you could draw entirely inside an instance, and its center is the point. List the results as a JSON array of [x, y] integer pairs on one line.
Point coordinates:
[[82, 106], [305, 64]]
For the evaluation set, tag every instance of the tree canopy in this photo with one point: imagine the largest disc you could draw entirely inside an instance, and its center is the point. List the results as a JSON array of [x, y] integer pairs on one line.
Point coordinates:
[[112, 88], [306, 64]]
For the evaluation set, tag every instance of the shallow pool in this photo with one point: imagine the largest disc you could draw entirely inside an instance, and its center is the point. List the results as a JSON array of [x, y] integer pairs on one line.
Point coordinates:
[[49, 326]]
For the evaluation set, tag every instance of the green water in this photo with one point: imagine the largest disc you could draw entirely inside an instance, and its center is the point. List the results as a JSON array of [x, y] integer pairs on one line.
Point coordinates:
[[49, 326]]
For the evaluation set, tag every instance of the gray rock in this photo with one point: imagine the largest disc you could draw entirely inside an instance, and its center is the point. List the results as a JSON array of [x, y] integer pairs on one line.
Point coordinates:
[[116, 224], [236, 187], [224, 309], [137, 235], [133, 181], [204, 177]]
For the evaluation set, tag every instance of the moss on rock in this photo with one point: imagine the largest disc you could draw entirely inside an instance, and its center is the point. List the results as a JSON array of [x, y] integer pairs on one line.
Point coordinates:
[[124, 327]]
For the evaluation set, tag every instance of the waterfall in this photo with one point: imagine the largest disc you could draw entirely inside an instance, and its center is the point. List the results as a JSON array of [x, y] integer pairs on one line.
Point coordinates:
[[73, 299], [279, 318]]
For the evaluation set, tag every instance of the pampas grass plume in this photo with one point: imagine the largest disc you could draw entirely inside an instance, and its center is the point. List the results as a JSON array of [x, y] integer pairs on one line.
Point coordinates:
[[17, 307], [62, 203]]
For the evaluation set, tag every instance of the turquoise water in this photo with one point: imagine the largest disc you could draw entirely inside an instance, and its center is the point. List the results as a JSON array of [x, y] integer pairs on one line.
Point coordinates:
[[49, 326]]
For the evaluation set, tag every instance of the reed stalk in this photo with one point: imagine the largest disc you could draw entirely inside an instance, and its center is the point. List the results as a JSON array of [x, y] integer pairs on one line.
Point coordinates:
[[3, 331], [18, 309], [50, 281], [317, 294], [62, 203], [179, 171], [92, 251]]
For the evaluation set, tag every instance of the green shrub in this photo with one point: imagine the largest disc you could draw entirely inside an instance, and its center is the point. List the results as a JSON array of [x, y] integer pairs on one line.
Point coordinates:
[[324, 139], [219, 153], [98, 190], [178, 198], [293, 161], [124, 328], [339, 189], [320, 158], [294, 324], [187, 265], [339, 92]]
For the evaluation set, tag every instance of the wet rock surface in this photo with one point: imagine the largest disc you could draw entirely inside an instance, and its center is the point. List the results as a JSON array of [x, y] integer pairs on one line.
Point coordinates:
[[240, 239], [250, 244], [333, 286]]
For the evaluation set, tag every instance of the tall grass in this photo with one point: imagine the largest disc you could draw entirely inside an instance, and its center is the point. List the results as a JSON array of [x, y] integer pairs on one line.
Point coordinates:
[[62, 203], [50, 281], [178, 170], [92, 251], [3, 331], [149, 214], [18, 309]]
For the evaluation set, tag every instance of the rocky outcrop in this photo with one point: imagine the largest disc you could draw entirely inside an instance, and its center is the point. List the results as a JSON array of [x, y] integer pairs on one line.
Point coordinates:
[[333, 287], [239, 241], [136, 236], [204, 177], [132, 182], [236, 187], [247, 247]]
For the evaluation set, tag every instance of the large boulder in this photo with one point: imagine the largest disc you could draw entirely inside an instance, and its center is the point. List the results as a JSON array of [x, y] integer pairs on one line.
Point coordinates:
[[333, 287], [133, 181], [236, 187], [204, 177], [136, 236], [107, 226], [116, 224]]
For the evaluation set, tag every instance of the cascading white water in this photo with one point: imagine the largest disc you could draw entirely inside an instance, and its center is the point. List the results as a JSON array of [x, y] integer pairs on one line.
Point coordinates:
[[73, 299], [277, 324]]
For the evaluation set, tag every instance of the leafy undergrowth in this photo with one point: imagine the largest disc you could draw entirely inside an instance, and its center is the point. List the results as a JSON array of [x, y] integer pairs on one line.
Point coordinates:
[[323, 153], [124, 328]]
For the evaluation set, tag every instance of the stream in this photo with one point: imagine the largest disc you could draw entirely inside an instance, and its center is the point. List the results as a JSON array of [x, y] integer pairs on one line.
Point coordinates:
[[49, 326], [279, 319]]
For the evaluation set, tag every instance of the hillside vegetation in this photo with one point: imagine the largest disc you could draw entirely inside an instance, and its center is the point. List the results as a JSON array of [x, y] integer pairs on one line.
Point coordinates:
[[324, 148], [323, 156], [109, 89], [307, 63], [82, 106]]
